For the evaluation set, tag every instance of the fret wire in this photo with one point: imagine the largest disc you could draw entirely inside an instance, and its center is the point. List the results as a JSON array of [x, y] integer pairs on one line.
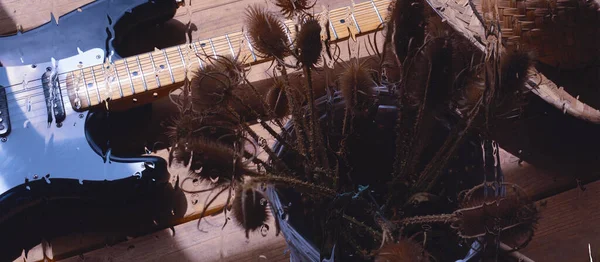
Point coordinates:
[[86, 89], [137, 59], [250, 46], [377, 11], [96, 84], [182, 59], [230, 46], [197, 56], [118, 80], [169, 65], [106, 81], [354, 16], [212, 46], [154, 69], [129, 75], [332, 28], [354, 19]]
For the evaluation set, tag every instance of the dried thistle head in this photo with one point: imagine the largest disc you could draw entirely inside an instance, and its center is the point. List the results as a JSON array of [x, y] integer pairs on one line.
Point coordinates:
[[513, 217], [356, 84], [291, 8], [406, 26], [308, 42], [249, 208], [210, 87], [183, 126], [277, 100], [267, 33], [210, 159], [403, 251], [514, 66]]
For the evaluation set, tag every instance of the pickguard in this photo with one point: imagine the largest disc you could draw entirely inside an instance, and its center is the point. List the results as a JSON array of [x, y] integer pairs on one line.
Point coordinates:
[[42, 146]]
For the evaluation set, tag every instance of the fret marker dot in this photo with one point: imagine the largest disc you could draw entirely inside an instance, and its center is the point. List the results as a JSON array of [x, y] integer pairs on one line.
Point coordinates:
[[135, 100], [135, 73], [342, 21], [162, 66], [155, 94], [202, 44], [90, 84]]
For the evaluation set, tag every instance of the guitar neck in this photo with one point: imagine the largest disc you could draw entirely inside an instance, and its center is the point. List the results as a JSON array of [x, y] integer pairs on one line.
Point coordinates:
[[151, 74]]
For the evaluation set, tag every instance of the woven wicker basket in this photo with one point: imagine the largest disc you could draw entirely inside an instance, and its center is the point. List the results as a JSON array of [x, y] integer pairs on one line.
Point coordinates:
[[562, 33]]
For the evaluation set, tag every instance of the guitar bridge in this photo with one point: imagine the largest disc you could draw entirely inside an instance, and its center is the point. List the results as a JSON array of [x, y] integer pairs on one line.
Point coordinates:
[[4, 118]]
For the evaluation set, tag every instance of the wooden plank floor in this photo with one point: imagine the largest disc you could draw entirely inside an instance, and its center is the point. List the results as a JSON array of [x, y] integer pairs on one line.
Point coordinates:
[[570, 216]]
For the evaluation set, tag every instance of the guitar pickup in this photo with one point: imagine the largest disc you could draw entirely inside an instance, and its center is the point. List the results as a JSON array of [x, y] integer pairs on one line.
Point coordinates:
[[4, 117], [54, 103]]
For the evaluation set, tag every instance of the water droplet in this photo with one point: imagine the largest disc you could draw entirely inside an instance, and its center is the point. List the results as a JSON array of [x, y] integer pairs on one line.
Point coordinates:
[[35, 176], [77, 103], [150, 165], [199, 170], [137, 174], [214, 180], [172, 231], [264, 230], [284, 216], [262, 258], [28, 187], [147, 150], [81, 181], [263, 202]]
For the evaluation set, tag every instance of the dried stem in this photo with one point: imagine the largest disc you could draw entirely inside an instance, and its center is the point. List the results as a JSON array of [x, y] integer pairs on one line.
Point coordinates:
[[430, 219], [297, 184]]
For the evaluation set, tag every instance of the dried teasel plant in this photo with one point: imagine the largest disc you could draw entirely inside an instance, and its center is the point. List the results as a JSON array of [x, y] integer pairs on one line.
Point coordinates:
[[277, 100], [510, 219], [291, 8], [250, 208], [267, 33], [336, 150], [308, 42]]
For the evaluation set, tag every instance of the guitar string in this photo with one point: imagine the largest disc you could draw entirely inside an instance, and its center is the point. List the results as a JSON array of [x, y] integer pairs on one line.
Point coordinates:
[[143, 61], [41, 107], [360, 13]]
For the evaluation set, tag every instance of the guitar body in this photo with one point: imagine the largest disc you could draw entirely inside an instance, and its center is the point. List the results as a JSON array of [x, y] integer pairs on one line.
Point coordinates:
[[53, 157]]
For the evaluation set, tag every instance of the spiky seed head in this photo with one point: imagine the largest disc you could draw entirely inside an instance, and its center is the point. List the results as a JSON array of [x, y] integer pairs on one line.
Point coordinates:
[[249, 208], [308, 41], [403, 251], [406, 26], [291, 8], [183, 126], [277, 100], [209, 160], [213, 85], [356, 84], [267, 33], [514, 217]]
